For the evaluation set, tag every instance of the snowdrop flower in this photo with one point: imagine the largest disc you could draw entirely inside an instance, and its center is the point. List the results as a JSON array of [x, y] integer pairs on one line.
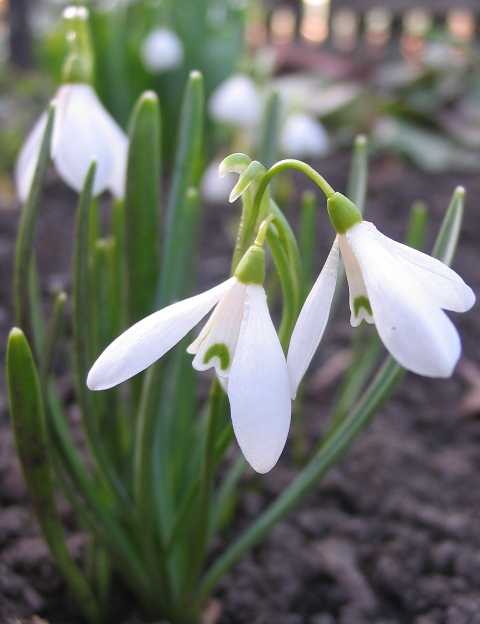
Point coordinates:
[[303, 136], [236, 102], [162, 50], [239, 341], [82, 130], [401, 290]]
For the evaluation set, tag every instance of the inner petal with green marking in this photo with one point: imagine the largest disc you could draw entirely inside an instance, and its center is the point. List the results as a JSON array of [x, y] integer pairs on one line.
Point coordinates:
[[360, 307], [216, 344], [219, 351], [362, 302]]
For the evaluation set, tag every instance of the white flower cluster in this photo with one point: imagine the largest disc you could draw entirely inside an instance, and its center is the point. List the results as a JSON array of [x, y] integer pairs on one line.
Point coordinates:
[[401, 290]]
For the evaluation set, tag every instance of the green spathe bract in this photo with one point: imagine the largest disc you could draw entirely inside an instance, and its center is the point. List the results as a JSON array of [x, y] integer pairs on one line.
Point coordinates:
[[342, 212]]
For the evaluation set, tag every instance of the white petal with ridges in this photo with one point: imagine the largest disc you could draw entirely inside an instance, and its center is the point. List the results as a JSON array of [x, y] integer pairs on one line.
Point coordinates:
[[28, 158], [258, 387], [415, 331], [149, 339], [312, 321], [440, 281]]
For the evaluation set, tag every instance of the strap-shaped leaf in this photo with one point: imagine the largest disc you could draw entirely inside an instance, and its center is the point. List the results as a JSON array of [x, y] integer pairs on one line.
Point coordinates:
[[177, 261], [28, 423], [447, 239], [142, 206], [23, 251]]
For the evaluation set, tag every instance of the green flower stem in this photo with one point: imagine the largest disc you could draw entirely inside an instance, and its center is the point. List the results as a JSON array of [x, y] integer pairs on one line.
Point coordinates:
[[289, 273], [24, 246], [252, 214], [378, 391], [29, 428], [290, 296], [307, 241], [291, 163]]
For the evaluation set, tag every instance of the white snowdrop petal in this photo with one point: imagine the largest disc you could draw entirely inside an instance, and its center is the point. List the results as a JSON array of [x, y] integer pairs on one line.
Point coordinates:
[[441, 282], [258, 386], [303, 136], [161, 50], [312, 321], [28, 158], [116, 140], [217, 342], [415, 331], [357, 291], [149, 339], [86, 131], [236, 101]]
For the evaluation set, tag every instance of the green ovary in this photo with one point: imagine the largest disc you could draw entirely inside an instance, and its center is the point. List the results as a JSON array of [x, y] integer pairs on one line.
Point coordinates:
[[219, 350], [362, 302]]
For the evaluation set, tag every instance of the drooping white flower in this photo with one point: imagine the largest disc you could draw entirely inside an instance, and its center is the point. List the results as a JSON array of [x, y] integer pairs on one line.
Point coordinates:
[[236, 102], [162, 50], [239, 341], [83, 130], [401, 290], [303, 136]]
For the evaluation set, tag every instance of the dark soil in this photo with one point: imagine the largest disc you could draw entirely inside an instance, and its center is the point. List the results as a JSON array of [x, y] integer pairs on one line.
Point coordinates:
[[391, 536]]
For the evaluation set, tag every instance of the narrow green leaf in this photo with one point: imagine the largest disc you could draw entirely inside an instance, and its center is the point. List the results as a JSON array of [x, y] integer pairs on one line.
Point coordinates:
[[447, 239], [29, 428], [268, 145], [417, 225], [81, 339], [358, 176], [186, 174], [24, 246], [51, 337], [142, 206]]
